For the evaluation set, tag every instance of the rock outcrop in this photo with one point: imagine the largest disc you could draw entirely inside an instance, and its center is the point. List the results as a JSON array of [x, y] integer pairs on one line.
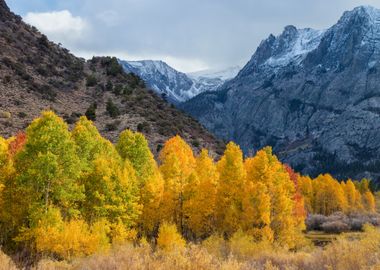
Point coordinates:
[[312, 95]]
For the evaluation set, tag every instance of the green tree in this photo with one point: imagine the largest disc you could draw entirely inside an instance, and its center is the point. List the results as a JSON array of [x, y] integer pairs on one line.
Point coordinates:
[[133, 146], [110, 183], [112, 109], [48, 166]]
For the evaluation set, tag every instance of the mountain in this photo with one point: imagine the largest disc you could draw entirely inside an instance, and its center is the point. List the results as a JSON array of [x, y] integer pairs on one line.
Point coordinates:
[[36, 74], [211, 80], [312, 95], [176, 86]]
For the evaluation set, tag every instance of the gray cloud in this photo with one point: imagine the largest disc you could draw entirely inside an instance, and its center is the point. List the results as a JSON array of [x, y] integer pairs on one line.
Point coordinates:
[[189, 35]]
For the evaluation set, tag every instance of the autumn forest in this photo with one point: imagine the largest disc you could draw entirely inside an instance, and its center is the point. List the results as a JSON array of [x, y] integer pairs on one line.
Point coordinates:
[[67, 194]]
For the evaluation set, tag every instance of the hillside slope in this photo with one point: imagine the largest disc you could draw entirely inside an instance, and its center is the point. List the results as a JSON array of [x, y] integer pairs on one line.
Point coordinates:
[[36, 75]]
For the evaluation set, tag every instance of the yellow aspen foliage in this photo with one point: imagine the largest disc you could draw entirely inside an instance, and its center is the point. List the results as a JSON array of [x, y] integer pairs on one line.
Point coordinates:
[[353, 196], [369, 201], [120, 234], [177, 164], [306, 188], [256, 217], [133, 146], [90, 144], [49, 167], [200, 194], [230, 190], [4, 162], [244, 246], [363, 185], [329, 195], [111, 192], [169, 239], [73, 239], [265, 168], [151, 195], [3, 152]]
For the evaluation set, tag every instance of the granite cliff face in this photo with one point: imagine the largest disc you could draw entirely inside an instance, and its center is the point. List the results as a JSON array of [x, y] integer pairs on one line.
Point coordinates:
[[312, 95]]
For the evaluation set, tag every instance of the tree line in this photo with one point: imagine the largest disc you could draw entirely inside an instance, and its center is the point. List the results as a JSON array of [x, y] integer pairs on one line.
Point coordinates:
[[71, 193]]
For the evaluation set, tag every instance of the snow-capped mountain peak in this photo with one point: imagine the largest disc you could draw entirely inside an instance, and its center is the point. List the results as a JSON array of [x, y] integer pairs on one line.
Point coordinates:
[[293, 45], [177, 86]]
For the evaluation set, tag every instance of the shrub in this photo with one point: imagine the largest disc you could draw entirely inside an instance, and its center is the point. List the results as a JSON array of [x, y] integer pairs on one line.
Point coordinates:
[[169, 239], [196, 143], [22, 114], [7, 79], [72, 118], [159, 147], [241, 244], [43, 42], [6, 115], [91, 81], [127, 91], [143, 127], [72, 239], [117, 89], [215, 245], [114, 68], [109, 86], [112, 126], [335, 227], [314, 222], [91, 112], [112, 109]]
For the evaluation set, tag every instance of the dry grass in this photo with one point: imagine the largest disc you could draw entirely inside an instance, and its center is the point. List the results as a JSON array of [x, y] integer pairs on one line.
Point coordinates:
[[6, 263], [342, 254]]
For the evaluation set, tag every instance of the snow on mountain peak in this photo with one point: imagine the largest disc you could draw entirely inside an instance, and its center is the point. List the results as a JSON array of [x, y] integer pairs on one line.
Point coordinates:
[[224, 74], [370, 11], [177, 86], [293, 44]]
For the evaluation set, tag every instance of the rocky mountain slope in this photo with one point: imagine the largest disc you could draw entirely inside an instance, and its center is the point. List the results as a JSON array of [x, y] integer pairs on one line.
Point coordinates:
[[36, 74], [312, 95], [176, 86]]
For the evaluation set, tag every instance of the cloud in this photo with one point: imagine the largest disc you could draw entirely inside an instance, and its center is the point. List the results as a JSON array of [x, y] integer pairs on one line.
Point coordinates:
[[189, 35], [181, 64], [59, 26]]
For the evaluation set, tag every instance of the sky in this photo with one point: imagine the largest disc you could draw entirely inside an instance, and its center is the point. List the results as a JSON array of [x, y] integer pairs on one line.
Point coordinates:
[[189, 35]]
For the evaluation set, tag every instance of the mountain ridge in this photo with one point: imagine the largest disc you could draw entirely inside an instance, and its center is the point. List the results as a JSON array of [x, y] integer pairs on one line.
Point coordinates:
[[319, 108], [174, 85]]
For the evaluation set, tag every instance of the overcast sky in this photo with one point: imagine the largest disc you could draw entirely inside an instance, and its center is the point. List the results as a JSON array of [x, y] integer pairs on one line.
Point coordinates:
[[189, 35]]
